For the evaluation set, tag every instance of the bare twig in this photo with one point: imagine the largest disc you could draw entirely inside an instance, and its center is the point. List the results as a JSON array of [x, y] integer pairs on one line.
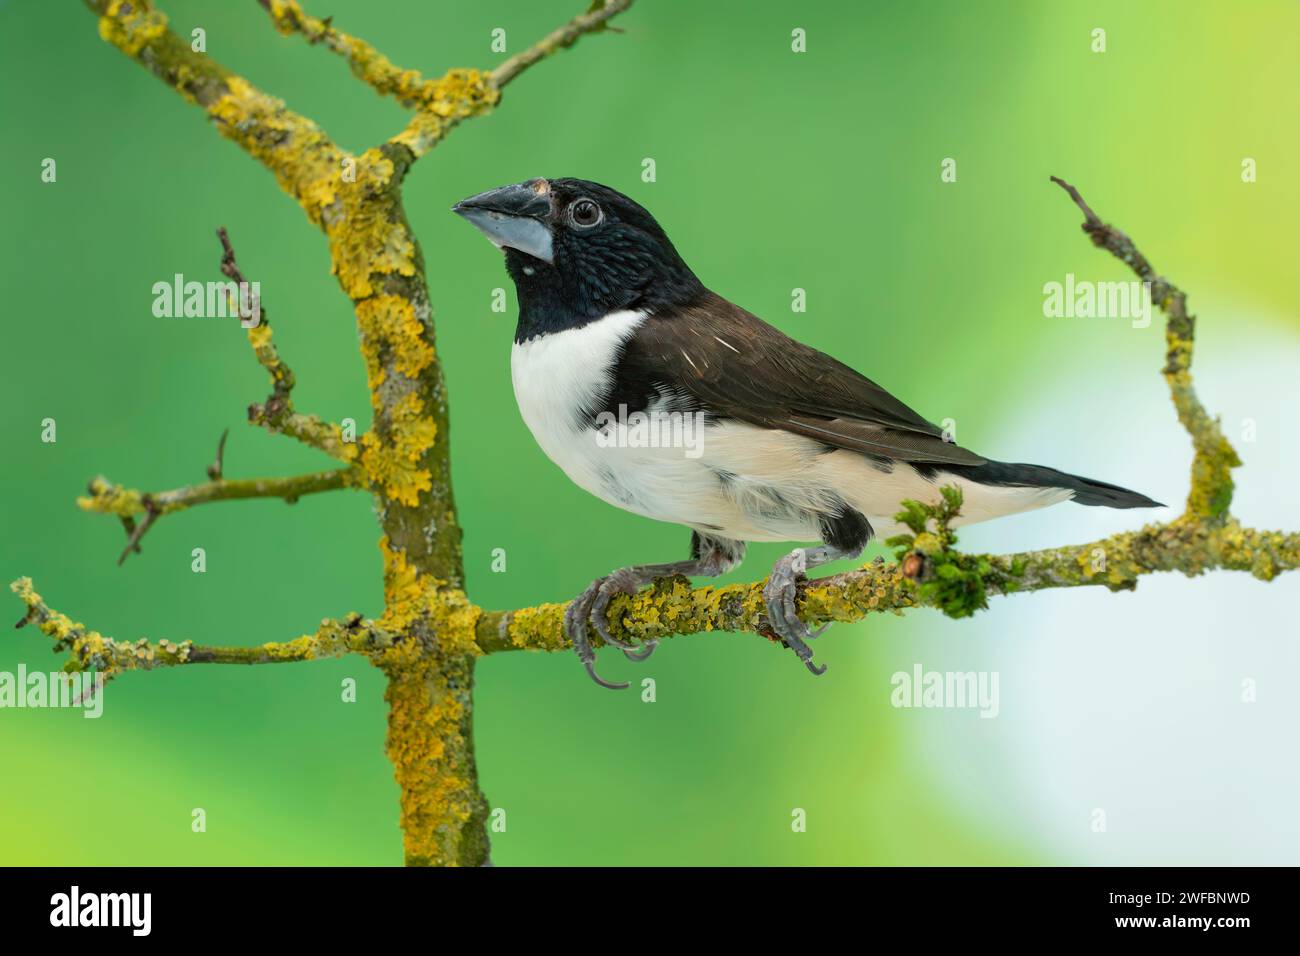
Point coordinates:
[[592, 21], [218, 463], [138, 531]]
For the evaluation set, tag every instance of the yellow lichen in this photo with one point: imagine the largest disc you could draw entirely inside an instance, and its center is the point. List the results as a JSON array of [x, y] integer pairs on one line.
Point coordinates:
[[444, 103], [431, 751], [389, 328], [108, 498], [131, 25], [307, 165], [259, 336], [367, 238], [394, 464], [404, 595]]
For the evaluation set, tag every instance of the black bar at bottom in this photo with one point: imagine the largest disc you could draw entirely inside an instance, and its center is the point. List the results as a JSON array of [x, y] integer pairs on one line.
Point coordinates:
[[335, 905]]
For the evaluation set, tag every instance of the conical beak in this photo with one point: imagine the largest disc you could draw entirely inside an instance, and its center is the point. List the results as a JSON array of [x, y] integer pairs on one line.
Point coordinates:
[[514, 217]]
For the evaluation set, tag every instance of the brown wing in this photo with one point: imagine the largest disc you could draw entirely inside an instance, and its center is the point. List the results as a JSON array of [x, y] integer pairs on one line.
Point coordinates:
[[734, 362]]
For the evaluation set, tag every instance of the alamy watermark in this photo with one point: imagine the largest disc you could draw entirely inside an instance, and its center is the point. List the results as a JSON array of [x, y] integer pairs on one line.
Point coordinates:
[[652, 429], [53, 689], [75, 908], [1098, 300], [946, 690], [208, 300]]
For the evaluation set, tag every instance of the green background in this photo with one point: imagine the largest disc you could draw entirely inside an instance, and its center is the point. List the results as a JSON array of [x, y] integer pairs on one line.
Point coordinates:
[[775, 171]]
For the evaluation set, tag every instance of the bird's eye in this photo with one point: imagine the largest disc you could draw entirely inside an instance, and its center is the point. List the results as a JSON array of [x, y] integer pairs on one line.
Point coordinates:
[[585, 213]]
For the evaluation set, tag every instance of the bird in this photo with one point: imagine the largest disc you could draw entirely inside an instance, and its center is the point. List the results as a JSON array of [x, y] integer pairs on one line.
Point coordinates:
[[663, 398]]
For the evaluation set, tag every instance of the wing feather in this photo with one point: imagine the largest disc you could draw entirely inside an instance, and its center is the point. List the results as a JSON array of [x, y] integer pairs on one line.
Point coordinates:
[[736, 364]]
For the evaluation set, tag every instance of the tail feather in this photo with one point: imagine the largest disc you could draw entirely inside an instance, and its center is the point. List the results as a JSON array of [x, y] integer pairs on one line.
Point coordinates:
[[1086, 491]]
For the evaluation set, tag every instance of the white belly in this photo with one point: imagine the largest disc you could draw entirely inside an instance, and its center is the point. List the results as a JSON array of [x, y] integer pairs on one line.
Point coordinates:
[[675, 479], [722, 477]]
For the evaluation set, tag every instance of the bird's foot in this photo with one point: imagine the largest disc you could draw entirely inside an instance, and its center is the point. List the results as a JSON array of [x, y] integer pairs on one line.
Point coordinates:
[[779, 595], [591, 608]]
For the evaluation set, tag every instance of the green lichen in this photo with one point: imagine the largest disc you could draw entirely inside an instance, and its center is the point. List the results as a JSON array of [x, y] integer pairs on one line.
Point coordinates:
[[944, 578]]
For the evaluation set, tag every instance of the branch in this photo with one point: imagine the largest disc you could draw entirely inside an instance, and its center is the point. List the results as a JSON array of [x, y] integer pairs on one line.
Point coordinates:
[[593, 21], [405, 457], [304, 160], [672, 607], [367, 64], [462, 93], [1211, 488], [930, 572], [90, 650], [438, 104], [105, 497], [277, 414]]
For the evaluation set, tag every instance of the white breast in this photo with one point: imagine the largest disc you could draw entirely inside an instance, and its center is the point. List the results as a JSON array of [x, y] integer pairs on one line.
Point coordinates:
[[560, 379], [558, 375]]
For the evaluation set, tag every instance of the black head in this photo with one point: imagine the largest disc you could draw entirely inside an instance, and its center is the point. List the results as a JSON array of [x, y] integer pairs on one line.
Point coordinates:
[[577, 251]]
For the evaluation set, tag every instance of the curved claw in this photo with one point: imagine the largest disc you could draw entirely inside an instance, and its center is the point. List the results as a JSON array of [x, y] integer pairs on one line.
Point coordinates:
[[646, 650], [779, 597], [580, 614], [611, 585], [591, 672]]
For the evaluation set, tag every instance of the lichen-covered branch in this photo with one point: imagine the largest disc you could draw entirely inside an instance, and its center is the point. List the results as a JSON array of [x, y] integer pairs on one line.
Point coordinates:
[[442, 103], [367, 64], [1210, 492], [90, 650], [277, 413], [673, 608], [404, 457], [105, 497], [931, 572], [303, 159]]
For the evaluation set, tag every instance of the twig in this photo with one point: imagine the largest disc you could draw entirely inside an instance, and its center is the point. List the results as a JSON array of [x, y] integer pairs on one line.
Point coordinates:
[[367, 64], [592, 21], [287, 143], [463, 93], [1210, 492], [138, 532], [277, 414], [105, 497], [214, 469]]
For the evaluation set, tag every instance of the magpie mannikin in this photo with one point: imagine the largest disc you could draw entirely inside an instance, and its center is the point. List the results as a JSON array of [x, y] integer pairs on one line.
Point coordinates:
[[795, 446]]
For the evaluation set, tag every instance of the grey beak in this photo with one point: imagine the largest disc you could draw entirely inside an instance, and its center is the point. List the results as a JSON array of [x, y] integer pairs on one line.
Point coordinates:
[[513, 216]]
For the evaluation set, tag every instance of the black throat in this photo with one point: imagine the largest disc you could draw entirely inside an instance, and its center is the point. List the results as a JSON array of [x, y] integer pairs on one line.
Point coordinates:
[[555, 299]]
